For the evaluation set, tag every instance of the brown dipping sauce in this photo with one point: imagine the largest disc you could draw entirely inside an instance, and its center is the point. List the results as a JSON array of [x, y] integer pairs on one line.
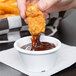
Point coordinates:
[[43, 46], [36, 45]]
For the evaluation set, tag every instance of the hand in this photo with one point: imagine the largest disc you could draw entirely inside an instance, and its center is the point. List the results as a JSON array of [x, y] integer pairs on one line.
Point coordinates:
[[22, 7], [46, 6], [56, 5]]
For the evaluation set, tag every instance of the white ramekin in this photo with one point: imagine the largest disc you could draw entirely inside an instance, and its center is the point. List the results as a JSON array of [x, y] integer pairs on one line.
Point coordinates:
[[38, 61]]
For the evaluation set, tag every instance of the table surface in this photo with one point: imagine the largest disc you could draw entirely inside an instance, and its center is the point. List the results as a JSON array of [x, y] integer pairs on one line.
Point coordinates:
[[8, 71]]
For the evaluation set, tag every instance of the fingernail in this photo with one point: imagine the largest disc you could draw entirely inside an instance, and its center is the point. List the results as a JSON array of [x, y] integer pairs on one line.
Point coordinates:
[[46, 15], [22, 15], [25, 20]]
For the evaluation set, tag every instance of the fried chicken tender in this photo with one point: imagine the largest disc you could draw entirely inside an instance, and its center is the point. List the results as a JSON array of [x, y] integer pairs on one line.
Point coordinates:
[[35, 19]]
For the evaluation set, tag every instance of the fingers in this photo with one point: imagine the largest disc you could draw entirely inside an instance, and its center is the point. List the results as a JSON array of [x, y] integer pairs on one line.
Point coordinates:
[[22, 7], [25, 20], [65, 2], [45, 4], [74, 4], [46, 15]]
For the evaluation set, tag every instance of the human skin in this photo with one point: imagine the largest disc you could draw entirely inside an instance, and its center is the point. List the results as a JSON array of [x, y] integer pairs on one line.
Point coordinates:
[[46, 6]]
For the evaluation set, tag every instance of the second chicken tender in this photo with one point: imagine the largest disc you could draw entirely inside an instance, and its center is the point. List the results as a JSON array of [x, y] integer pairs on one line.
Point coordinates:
[[35, 19]]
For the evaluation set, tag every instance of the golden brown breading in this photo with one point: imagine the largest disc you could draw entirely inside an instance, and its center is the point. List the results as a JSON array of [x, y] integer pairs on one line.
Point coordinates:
[[35, 19]]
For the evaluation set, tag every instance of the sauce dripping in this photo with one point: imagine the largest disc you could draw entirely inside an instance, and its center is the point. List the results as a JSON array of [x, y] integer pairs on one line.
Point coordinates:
[[36, 45]]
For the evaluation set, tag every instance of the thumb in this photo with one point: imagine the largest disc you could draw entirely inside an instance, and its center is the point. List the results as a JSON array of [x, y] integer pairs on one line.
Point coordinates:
[[45, 4]]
